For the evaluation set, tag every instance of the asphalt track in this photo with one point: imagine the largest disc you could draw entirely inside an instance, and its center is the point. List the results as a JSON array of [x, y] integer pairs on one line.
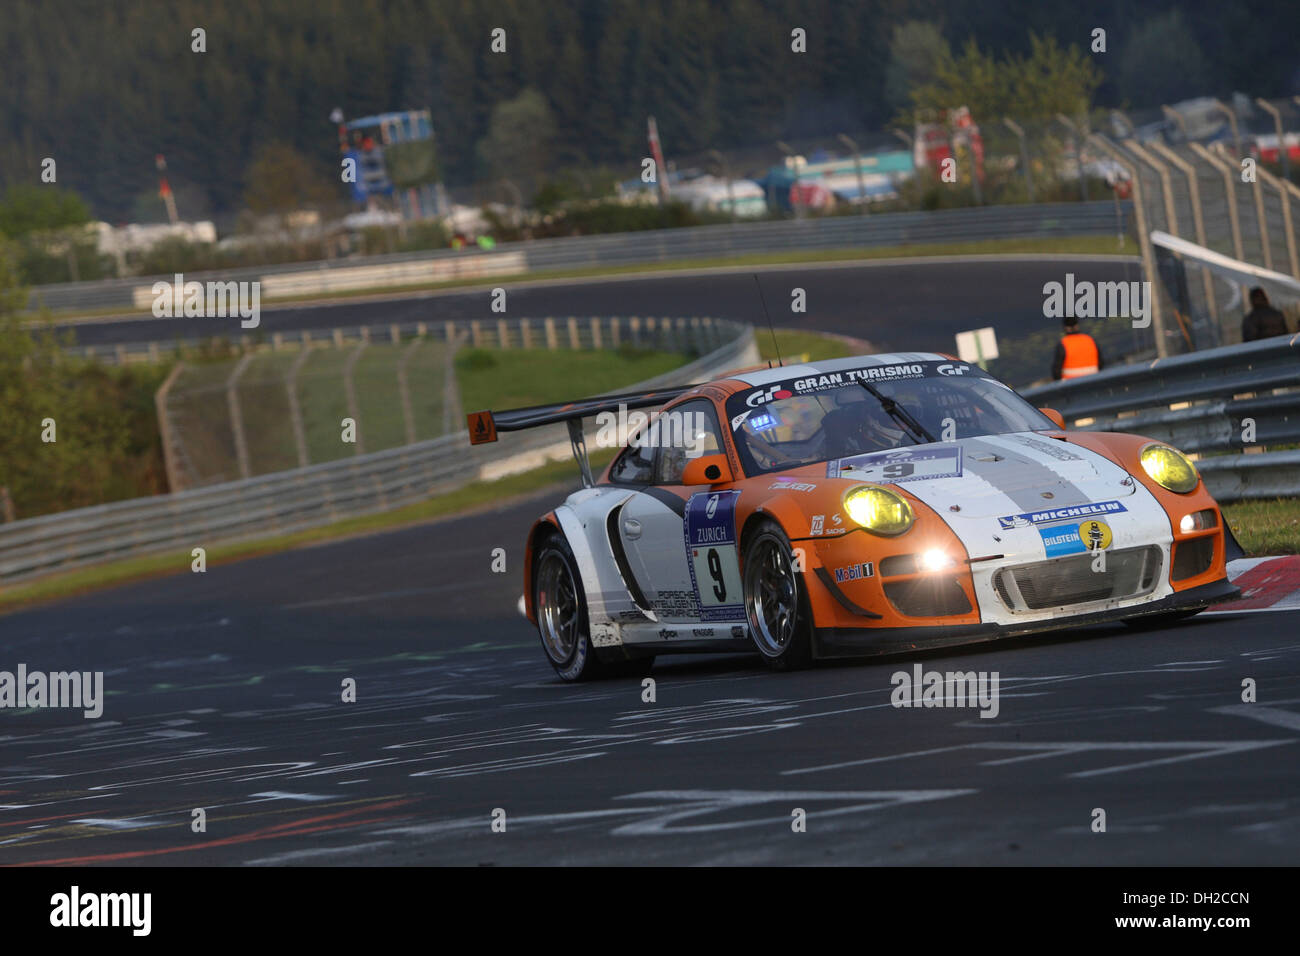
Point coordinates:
[[223, 692], [916, 304]]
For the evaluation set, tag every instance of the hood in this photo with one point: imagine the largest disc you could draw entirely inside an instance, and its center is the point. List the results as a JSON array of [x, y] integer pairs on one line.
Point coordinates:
[[993, 475]]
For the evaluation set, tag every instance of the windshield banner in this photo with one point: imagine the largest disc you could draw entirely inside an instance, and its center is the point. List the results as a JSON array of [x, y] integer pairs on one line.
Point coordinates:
[[904, 464]]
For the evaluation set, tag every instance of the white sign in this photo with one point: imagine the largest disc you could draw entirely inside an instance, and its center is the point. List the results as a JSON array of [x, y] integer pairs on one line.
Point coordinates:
[[977, 345]]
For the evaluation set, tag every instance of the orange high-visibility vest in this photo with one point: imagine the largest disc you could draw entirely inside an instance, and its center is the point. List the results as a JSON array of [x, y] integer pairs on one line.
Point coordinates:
[[1081, 356]]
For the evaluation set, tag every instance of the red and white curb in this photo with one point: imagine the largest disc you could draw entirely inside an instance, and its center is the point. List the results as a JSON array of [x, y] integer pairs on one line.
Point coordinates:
[[1267, 584]]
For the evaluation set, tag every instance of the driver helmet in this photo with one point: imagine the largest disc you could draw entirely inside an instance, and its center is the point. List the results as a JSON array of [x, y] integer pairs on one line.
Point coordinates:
[[878, 430]]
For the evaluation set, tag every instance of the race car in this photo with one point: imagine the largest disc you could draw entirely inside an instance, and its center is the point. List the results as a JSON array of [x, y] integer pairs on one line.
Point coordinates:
[[853, 507]]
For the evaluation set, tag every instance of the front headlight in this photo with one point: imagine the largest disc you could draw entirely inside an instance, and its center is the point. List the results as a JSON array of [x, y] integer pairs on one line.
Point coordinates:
[[879, 510], [1169, 468]]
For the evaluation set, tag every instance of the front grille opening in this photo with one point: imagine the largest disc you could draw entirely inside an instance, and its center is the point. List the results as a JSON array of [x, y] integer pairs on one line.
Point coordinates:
[[940, 595], [1193, 557], [898, 564], [1072, 580]]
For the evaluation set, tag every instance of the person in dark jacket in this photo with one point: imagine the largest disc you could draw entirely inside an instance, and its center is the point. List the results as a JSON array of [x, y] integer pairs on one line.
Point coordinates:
[[1262, 321], [1077, 354]]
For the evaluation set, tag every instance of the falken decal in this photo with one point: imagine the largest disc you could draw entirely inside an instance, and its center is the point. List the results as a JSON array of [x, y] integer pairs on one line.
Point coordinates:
[[902, 464], [1053, 515], [713, 555], [790, 484]]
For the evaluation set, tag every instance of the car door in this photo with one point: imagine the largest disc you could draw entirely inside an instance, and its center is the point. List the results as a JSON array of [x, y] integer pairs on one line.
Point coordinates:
[[680, 541]]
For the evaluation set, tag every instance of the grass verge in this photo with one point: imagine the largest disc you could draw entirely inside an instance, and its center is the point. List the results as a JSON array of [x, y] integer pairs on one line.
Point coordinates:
[[798, 346], [517, 378], [1265, 527]]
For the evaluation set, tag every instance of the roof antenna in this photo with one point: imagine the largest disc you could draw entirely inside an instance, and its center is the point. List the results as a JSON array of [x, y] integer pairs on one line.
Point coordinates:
[[779, 361]]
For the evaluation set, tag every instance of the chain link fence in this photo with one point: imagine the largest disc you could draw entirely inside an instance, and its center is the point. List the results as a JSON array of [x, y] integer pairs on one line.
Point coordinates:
[[1229, 204], [310, 399]]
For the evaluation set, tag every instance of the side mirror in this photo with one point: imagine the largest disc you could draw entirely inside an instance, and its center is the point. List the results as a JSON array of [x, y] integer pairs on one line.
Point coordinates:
[[1055, 416], [707, 470]]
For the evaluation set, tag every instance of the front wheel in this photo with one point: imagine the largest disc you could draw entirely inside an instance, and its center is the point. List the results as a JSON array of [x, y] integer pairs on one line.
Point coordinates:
[[775, 601]]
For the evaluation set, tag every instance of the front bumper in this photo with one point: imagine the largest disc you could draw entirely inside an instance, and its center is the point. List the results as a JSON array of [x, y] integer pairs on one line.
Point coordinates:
[[840, 642]]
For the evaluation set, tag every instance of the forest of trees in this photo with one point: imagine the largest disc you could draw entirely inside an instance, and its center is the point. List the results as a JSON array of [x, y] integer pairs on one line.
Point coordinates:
[[102, 88]]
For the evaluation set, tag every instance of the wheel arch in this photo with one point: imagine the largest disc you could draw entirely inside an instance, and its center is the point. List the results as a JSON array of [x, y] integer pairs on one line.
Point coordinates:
[[546, 525]]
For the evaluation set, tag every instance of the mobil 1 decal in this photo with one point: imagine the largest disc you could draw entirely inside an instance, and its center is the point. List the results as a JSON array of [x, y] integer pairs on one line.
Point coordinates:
[[902, 464], [713, 556]]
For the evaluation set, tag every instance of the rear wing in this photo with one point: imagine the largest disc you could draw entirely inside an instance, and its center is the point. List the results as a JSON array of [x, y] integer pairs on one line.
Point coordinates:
[[484, 425]]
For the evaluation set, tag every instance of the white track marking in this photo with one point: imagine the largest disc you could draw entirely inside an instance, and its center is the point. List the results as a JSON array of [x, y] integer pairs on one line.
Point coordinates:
[[1268, 715]]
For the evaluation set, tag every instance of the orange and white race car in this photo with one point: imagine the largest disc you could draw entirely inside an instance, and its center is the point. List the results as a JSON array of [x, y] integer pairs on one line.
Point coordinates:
[[852, 507]]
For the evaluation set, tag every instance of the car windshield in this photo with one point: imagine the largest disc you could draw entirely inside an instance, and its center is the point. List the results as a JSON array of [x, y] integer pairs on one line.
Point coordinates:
[[811, 419]]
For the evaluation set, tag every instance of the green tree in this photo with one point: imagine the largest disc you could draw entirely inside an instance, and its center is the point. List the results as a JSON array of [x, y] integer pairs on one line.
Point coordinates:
[[280, 180], [1046, 82], [917, 53], [40, 388], [30, 209], [519, 139]]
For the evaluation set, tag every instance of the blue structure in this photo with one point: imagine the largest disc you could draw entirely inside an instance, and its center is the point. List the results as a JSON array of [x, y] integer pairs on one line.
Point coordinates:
[[365, 141]]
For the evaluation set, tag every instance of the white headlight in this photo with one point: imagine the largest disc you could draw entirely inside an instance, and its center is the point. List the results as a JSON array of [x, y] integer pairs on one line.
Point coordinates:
[[935, 560]]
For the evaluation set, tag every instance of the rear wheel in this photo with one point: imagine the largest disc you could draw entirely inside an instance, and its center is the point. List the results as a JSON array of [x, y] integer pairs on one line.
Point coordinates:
[[775, 601], [561, 607]]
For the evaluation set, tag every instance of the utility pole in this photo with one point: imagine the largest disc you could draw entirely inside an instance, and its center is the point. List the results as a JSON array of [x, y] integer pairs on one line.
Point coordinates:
[[1283, 156], [718, 158], [1024, 152], [857, 163], [657, 154], [789, 164], [1078, 153], [1232, 121]]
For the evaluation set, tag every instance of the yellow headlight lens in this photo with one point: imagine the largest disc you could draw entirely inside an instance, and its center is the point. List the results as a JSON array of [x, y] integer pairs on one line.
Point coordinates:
[[879, 510], [1169, 468]]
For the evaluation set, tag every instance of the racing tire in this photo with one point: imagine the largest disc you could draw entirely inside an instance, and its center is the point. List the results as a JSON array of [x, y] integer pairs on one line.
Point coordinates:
[[776, 600], [561, 609]]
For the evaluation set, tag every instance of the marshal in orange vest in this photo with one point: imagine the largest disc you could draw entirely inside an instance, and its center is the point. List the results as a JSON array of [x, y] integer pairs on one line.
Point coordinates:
[[1081, 355]]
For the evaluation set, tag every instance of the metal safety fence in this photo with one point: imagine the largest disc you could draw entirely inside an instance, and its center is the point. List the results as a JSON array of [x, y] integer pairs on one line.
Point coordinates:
[[303, 498], [1236, 408], [1223, 201]]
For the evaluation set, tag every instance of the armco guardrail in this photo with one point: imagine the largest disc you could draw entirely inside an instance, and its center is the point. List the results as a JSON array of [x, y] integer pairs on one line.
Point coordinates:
[[632, 248], [1239, 398], [299, 499], [550, 332]]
